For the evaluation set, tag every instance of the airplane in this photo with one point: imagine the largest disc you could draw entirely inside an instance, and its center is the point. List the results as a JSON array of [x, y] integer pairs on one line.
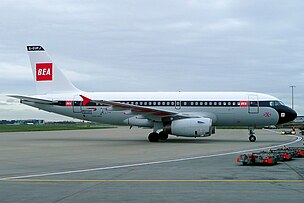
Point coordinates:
[[187, 114]]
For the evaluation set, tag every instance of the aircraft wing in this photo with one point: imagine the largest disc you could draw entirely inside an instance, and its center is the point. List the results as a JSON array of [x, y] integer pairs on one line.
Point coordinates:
[[32, 99], [135, 109], [147, 112]]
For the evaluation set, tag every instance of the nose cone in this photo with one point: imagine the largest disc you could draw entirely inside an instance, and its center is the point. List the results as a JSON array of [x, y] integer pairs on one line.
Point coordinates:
[[286, 114], [294, 114]]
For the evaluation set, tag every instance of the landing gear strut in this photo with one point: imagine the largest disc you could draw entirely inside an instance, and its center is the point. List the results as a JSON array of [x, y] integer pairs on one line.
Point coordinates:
[[252, 138]]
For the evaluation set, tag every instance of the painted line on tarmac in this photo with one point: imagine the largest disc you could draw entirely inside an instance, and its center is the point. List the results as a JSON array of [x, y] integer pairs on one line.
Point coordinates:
[[145, 163], [151, 181]]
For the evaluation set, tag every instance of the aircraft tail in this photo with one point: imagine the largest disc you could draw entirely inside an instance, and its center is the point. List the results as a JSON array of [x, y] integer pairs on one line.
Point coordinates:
[[48, 77]]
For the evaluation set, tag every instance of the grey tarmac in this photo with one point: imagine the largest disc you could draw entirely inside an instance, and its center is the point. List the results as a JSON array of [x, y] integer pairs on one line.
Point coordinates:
[[207, 178]]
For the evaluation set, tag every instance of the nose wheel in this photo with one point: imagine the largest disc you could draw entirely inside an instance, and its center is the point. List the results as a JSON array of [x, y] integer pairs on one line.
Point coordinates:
[[252, 138]]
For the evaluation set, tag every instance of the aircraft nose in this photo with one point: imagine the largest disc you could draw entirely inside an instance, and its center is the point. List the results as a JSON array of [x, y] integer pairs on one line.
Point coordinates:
[[293, 115], [286, 115]]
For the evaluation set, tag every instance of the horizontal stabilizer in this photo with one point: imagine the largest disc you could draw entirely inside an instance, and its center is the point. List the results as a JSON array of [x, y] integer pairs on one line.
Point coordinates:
[[32, 99]]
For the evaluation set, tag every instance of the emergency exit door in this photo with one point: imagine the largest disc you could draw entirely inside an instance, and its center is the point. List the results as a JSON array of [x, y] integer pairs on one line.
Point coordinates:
[[253, 104], [178, 105], [77, 103]]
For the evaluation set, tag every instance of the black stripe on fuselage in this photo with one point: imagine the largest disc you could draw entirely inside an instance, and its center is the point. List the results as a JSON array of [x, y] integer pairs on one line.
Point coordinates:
[[171, 103]]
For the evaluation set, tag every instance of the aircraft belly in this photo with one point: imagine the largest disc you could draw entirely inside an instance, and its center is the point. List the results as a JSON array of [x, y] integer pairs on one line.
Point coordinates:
[[241, 116]]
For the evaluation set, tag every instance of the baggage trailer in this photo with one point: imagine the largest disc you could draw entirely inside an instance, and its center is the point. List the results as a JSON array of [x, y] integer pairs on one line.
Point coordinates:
[[297, 152], [257, 159], [284, 154]]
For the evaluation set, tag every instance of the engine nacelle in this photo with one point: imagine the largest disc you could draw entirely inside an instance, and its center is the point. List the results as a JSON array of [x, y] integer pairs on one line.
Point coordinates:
[[190, 127]]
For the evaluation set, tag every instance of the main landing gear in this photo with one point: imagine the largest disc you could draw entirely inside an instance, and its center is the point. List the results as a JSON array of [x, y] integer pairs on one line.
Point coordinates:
[[155, 137], [252, 138]]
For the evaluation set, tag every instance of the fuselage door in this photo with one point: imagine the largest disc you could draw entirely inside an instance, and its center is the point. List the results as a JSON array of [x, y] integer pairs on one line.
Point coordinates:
[[253, 104], [77, 103]]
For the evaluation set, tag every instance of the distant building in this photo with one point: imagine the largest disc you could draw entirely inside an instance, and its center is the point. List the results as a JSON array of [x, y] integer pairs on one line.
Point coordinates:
[[22, 122], [299, 119], [7, 122]]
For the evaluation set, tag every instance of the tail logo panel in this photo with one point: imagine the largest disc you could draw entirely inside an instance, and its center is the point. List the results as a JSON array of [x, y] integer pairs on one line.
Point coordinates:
[[44, 71]]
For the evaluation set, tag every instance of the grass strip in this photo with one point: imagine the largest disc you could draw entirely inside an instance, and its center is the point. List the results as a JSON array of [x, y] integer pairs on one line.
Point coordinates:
[[28, 128]]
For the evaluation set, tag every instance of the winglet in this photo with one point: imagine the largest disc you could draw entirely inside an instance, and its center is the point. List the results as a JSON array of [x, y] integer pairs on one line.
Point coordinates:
[[86, 100]]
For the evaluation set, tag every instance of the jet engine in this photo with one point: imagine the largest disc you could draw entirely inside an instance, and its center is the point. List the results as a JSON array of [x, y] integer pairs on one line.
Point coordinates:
[[190, 127]]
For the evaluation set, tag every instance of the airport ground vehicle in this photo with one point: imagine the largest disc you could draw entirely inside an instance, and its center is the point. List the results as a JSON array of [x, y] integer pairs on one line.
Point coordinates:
[[270, 127], [257, 159], [288, 132]]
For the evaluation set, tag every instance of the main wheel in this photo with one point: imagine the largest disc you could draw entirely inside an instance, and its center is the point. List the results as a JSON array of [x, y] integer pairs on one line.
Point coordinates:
[[163, 135], [153, 137], [252, 138]]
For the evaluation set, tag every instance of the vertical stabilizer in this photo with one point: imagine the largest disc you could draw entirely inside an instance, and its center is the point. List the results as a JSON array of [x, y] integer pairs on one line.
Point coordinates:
[[48, 77]]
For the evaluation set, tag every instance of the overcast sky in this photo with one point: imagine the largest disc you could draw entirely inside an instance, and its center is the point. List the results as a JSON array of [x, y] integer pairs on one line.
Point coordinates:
[[189, 45]]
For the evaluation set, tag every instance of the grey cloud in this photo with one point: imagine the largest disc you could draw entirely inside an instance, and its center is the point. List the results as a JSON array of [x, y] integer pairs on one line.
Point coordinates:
[[229, 45]]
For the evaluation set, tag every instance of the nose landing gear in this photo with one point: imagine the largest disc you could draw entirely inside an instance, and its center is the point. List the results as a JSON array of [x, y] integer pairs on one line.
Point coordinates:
[[252, 138]]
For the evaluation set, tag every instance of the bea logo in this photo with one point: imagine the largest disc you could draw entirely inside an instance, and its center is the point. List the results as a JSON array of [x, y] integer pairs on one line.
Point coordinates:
[[243, 103], [44, 71]]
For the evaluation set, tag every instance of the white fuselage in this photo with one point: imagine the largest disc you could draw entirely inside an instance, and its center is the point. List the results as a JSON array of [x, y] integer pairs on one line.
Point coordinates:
[[224, 108]]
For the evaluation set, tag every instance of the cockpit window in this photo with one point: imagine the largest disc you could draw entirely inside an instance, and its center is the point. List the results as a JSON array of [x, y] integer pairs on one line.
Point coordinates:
[[276, 103]]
